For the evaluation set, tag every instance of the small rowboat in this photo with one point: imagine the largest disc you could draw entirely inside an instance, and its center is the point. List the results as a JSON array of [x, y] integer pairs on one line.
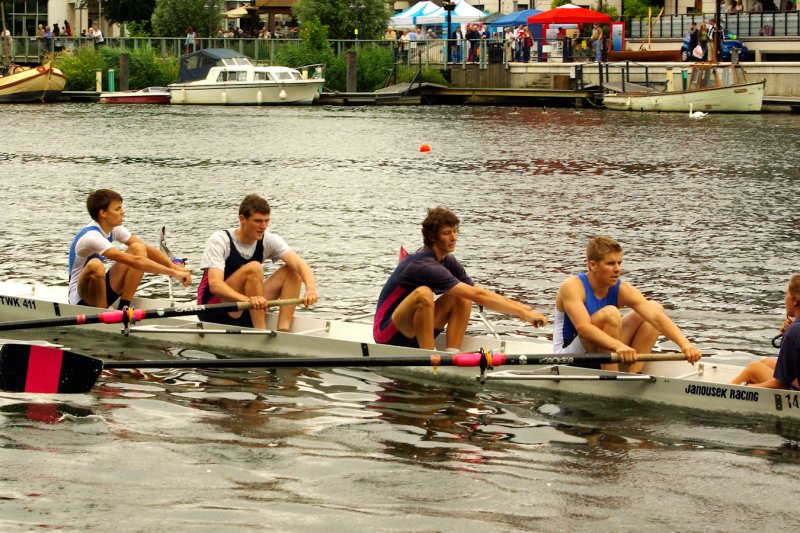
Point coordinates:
[[702, 386], [148, 95]]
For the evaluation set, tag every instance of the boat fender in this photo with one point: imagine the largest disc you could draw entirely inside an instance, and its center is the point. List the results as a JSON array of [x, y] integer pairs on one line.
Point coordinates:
[[282, 94]]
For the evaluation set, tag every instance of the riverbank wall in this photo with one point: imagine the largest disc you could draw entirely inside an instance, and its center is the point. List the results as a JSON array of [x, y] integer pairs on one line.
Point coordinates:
[[782, 78]]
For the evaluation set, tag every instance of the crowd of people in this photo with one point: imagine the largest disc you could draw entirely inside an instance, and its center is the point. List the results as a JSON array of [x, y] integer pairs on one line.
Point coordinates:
[[428, 293]]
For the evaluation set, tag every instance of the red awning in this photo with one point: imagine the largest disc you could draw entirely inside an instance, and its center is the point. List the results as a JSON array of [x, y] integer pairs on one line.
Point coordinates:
[[569, 15]]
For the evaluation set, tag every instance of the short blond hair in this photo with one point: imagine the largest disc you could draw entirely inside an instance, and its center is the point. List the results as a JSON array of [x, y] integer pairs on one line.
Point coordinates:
[[599, 246]]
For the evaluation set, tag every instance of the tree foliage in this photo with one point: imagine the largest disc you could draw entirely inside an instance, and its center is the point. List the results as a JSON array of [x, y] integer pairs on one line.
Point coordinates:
[[128, 10], [639, 8], [342, 17], [172, 17]]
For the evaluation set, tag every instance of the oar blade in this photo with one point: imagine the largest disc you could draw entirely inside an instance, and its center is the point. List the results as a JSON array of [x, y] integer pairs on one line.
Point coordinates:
[[43, 369]]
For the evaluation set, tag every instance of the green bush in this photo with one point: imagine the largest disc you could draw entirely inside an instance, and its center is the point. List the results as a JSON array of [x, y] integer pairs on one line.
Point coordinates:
[[374, 63], [145, 67]]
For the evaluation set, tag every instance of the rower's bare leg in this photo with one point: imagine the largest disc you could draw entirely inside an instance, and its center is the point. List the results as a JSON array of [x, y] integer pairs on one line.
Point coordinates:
[[609, 320], [756, 372], [124, 279], [248, 280], [639, 334], [452, 312], [414, 317], [283, 283], [92, 284]]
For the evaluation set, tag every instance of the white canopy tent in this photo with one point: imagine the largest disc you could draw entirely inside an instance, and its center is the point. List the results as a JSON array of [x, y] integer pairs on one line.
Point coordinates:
[[408, 18], [463, 12]]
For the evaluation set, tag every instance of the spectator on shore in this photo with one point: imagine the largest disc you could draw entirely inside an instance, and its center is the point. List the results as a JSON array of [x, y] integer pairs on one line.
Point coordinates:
[[739, 8], [473, 37], [40, 31], [693, 35], [511, 43], [458, 45], [47, 40], [758, 7], [527, 43], [56, 30], [97, 37], [390, 35], [789, 5], [597, 41], [190, 44], [67, 29]]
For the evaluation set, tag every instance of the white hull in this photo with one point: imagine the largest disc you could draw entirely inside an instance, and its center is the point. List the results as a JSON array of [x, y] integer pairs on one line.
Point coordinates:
[[741, 98], [297, 92], [703, 386]]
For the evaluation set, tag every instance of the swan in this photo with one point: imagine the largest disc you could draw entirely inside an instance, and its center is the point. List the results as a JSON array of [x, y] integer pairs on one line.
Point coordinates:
[[696, 114]]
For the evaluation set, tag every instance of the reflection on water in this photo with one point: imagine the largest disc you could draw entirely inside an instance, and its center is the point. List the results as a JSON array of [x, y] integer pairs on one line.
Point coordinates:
[[709, 228]]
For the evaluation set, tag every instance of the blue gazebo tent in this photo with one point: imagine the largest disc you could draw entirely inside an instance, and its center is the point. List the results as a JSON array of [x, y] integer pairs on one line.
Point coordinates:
[[512, 19]]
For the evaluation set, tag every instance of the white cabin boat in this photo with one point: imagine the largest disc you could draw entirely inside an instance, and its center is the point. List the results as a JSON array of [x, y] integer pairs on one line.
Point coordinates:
[[219, 76], [712, 88]]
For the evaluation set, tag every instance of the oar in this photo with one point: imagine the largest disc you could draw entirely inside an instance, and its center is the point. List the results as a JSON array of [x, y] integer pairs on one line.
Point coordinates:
[[132, 315], [27, 368]]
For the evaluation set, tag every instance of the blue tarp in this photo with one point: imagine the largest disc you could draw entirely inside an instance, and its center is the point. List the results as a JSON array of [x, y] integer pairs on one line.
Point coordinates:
[[514, 19]]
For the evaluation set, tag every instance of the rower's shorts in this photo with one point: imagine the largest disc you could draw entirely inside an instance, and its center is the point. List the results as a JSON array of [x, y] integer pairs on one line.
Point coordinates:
[[111, 296], [575, 347], [387, 333]]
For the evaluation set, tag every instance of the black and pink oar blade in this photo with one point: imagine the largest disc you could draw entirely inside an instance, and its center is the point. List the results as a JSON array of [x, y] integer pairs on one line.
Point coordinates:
[[42, 369]]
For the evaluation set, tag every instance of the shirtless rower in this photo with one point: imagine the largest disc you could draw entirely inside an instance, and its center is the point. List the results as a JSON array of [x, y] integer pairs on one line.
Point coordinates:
[[407, 313], [89, 282], [783, 372], [233, 265], [588, 319]]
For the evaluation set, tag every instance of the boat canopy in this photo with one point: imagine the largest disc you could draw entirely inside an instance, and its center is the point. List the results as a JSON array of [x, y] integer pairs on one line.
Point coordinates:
[[195, 66]]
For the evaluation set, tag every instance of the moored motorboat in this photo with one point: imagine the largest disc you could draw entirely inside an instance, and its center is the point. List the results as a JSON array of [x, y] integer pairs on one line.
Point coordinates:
[[219, 76], [711, 88], [704, 386], [43, 83], [148, 95]]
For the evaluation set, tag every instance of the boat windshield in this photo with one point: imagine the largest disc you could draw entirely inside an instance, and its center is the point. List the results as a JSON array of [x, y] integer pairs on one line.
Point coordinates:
[[284, 75], [232, 75], [237, 61]]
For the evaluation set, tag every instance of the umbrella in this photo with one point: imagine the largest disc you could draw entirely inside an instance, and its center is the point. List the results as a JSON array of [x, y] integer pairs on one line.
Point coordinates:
[[238, 13], [569, 15]]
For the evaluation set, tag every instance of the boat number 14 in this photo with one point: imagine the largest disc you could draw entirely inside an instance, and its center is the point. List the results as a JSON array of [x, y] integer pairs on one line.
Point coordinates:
[[790, 401]]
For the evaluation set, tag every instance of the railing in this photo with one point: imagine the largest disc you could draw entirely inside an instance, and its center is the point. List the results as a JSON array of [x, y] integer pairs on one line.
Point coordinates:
[[777, 23], [626, 72]]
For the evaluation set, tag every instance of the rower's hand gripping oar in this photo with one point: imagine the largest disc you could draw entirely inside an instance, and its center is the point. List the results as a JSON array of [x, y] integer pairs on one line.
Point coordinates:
[[129, 315], [43, 369]]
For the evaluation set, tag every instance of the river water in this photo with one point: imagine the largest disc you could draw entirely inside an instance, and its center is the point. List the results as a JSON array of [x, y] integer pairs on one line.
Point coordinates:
[[706, 210]]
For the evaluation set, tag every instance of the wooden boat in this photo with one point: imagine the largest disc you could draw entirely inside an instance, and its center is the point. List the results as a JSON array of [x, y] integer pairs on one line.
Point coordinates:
[[712, 88], [35, 84], [148, 95], [702, 386], [218, 76]]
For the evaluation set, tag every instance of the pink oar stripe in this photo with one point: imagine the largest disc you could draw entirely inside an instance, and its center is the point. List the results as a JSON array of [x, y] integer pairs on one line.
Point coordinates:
[[44, 369]]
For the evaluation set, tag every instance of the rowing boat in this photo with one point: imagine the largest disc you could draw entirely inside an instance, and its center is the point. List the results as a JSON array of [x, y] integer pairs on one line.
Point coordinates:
[[702, 386]]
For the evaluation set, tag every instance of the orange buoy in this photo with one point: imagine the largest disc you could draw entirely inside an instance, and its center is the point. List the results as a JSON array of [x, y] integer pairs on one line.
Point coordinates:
[[425, 148]]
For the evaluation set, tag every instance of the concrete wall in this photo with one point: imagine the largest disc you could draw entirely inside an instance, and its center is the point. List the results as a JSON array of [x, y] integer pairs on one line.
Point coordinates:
[[783, 79]]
